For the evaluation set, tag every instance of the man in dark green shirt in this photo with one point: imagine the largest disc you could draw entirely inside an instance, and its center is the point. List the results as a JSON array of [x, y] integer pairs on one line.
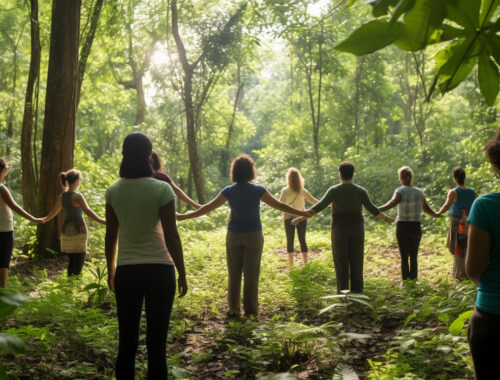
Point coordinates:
[[348, 233]]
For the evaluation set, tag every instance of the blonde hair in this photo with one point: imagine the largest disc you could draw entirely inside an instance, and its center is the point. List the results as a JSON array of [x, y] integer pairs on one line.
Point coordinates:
[[69, 177], [294, 180], [405, 174]]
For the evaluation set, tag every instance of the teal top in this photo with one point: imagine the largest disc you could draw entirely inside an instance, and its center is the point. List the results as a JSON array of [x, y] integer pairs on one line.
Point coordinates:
[[465, 198], [71, 213], [485, 214], [137, 203], [347, 198]]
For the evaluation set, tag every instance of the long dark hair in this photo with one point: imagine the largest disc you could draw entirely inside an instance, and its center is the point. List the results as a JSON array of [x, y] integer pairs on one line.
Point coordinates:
[[136, 161]]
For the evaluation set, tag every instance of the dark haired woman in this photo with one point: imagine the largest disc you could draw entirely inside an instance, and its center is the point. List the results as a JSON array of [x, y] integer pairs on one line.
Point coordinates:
[[7, 204], [295, 195], [410, 201], [348, 232], [74, 230], [162, 176], [140, 214], [482, 265], [459, 199], [244, 240]]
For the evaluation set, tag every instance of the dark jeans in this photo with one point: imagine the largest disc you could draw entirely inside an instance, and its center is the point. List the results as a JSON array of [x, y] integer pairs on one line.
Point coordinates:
[[75, 263], [408, 235], [154, 283], [348, 240], [484, 335], [290, 232]]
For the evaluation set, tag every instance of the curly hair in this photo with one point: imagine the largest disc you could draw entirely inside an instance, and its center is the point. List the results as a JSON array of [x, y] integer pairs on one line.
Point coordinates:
[[242, 169], [294, 180]]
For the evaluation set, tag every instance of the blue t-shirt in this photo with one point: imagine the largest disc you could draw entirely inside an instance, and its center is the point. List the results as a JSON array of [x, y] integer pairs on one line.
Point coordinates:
[[465, 198], [485, 214], [244, 200]]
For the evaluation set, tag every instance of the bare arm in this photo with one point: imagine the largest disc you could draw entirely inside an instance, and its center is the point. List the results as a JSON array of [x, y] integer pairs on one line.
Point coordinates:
[[55, 210], [450, 199], [384, 217], [218, 201], [7, 197], [110, 240], [82, 203], [396, 199], [174, 245], [310, 198], [427, 209], [478, 250], [183, 196], [268, 199]]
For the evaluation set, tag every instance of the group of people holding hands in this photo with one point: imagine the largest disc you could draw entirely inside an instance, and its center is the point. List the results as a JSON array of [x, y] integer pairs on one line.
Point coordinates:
[[141, 221]]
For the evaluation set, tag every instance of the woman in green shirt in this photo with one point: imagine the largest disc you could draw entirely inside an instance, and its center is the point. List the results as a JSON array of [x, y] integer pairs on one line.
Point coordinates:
[[348, 234]]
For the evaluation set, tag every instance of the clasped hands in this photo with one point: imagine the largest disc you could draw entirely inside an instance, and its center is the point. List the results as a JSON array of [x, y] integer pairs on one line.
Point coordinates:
[[305, 214]]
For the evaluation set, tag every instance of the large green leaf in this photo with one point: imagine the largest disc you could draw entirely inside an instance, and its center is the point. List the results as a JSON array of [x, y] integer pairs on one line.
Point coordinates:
[[420, 23], [464, 13], [447, 32], [11, 344], [488, 77], [371, 37], [402, 7], [458, 324], [9, 302], [493, 43], [455, 62], [381, 7], [488, 8]]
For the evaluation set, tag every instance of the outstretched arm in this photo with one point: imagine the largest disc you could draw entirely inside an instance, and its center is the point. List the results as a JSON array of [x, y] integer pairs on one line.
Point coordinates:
[[450, 199], [174, 245], [310, 198], [111, 238], [478, 251], [183, 196], [396, 199], [7, 198], [218, 201], [82, 203], [427, 209], [268, 199], [55, 210]]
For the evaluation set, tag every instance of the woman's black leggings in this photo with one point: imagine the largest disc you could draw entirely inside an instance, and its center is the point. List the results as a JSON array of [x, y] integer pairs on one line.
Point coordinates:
[[484, 334], [75, 263], [134, 284], [408, 235], [290, 232]]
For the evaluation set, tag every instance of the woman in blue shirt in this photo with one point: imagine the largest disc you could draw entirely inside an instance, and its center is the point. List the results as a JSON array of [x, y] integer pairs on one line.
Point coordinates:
[[244, 240], [459, 199], [482, 265]]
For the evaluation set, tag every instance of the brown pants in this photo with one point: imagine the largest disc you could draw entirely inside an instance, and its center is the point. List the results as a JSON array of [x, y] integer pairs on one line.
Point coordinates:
[[243, 252]]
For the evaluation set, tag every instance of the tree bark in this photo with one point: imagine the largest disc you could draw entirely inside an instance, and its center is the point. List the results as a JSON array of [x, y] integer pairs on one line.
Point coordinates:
[[87, 45], [194, 158], [58, 140], [30, 112]]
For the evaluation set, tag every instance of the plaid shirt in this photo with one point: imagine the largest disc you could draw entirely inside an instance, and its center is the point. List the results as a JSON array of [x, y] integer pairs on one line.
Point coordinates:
[[410, 207]]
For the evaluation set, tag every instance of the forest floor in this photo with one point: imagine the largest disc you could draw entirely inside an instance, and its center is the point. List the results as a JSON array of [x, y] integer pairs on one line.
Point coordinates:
[[399, 330]]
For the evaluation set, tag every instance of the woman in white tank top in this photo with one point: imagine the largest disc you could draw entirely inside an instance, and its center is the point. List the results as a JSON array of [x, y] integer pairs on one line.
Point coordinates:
[[7, 204]]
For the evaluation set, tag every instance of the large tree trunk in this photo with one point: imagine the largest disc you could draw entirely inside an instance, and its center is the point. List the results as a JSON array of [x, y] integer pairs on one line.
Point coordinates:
[[60, 111], [194, 158], [28, 173]]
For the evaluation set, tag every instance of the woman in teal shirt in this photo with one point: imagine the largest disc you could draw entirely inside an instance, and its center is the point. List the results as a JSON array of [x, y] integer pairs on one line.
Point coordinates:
[[483, 267]]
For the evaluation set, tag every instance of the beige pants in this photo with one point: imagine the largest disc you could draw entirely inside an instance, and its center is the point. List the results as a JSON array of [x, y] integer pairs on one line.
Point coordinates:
[[243, 252]]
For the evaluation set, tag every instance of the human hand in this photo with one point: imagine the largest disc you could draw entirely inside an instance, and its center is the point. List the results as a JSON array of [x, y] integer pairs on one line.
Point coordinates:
[[182, 286], [296, 221], [38, 220], [389, 219]]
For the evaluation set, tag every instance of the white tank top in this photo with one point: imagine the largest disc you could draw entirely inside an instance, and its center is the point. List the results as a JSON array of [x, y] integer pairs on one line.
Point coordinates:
[[6, 220]]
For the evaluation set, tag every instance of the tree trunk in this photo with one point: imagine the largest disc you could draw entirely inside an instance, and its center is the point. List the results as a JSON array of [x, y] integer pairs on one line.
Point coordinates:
[[194, 158], [87, 45], [28, 173], [60, 111]]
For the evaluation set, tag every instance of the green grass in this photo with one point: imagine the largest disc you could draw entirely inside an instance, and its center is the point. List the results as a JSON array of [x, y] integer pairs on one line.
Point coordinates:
[[403, 333]]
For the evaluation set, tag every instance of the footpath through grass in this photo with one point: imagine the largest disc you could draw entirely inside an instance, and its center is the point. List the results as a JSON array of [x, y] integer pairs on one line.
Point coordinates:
[[396, 331]]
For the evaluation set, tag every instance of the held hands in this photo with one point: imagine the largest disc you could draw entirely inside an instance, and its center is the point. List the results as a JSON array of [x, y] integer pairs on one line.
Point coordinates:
[[298, 220], [389, 219], [38, 220]]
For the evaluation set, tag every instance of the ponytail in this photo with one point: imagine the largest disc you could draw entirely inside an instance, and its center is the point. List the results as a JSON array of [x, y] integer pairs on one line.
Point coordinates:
[[64, 180]]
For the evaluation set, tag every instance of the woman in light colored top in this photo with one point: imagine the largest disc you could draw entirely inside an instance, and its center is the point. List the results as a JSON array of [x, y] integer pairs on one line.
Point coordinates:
[[74, 230], [348, 232], [244, 240], [410, 201], [7, 204], [140, 215], [162, 176], [482, 265], [458, 201], [295, 195]]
